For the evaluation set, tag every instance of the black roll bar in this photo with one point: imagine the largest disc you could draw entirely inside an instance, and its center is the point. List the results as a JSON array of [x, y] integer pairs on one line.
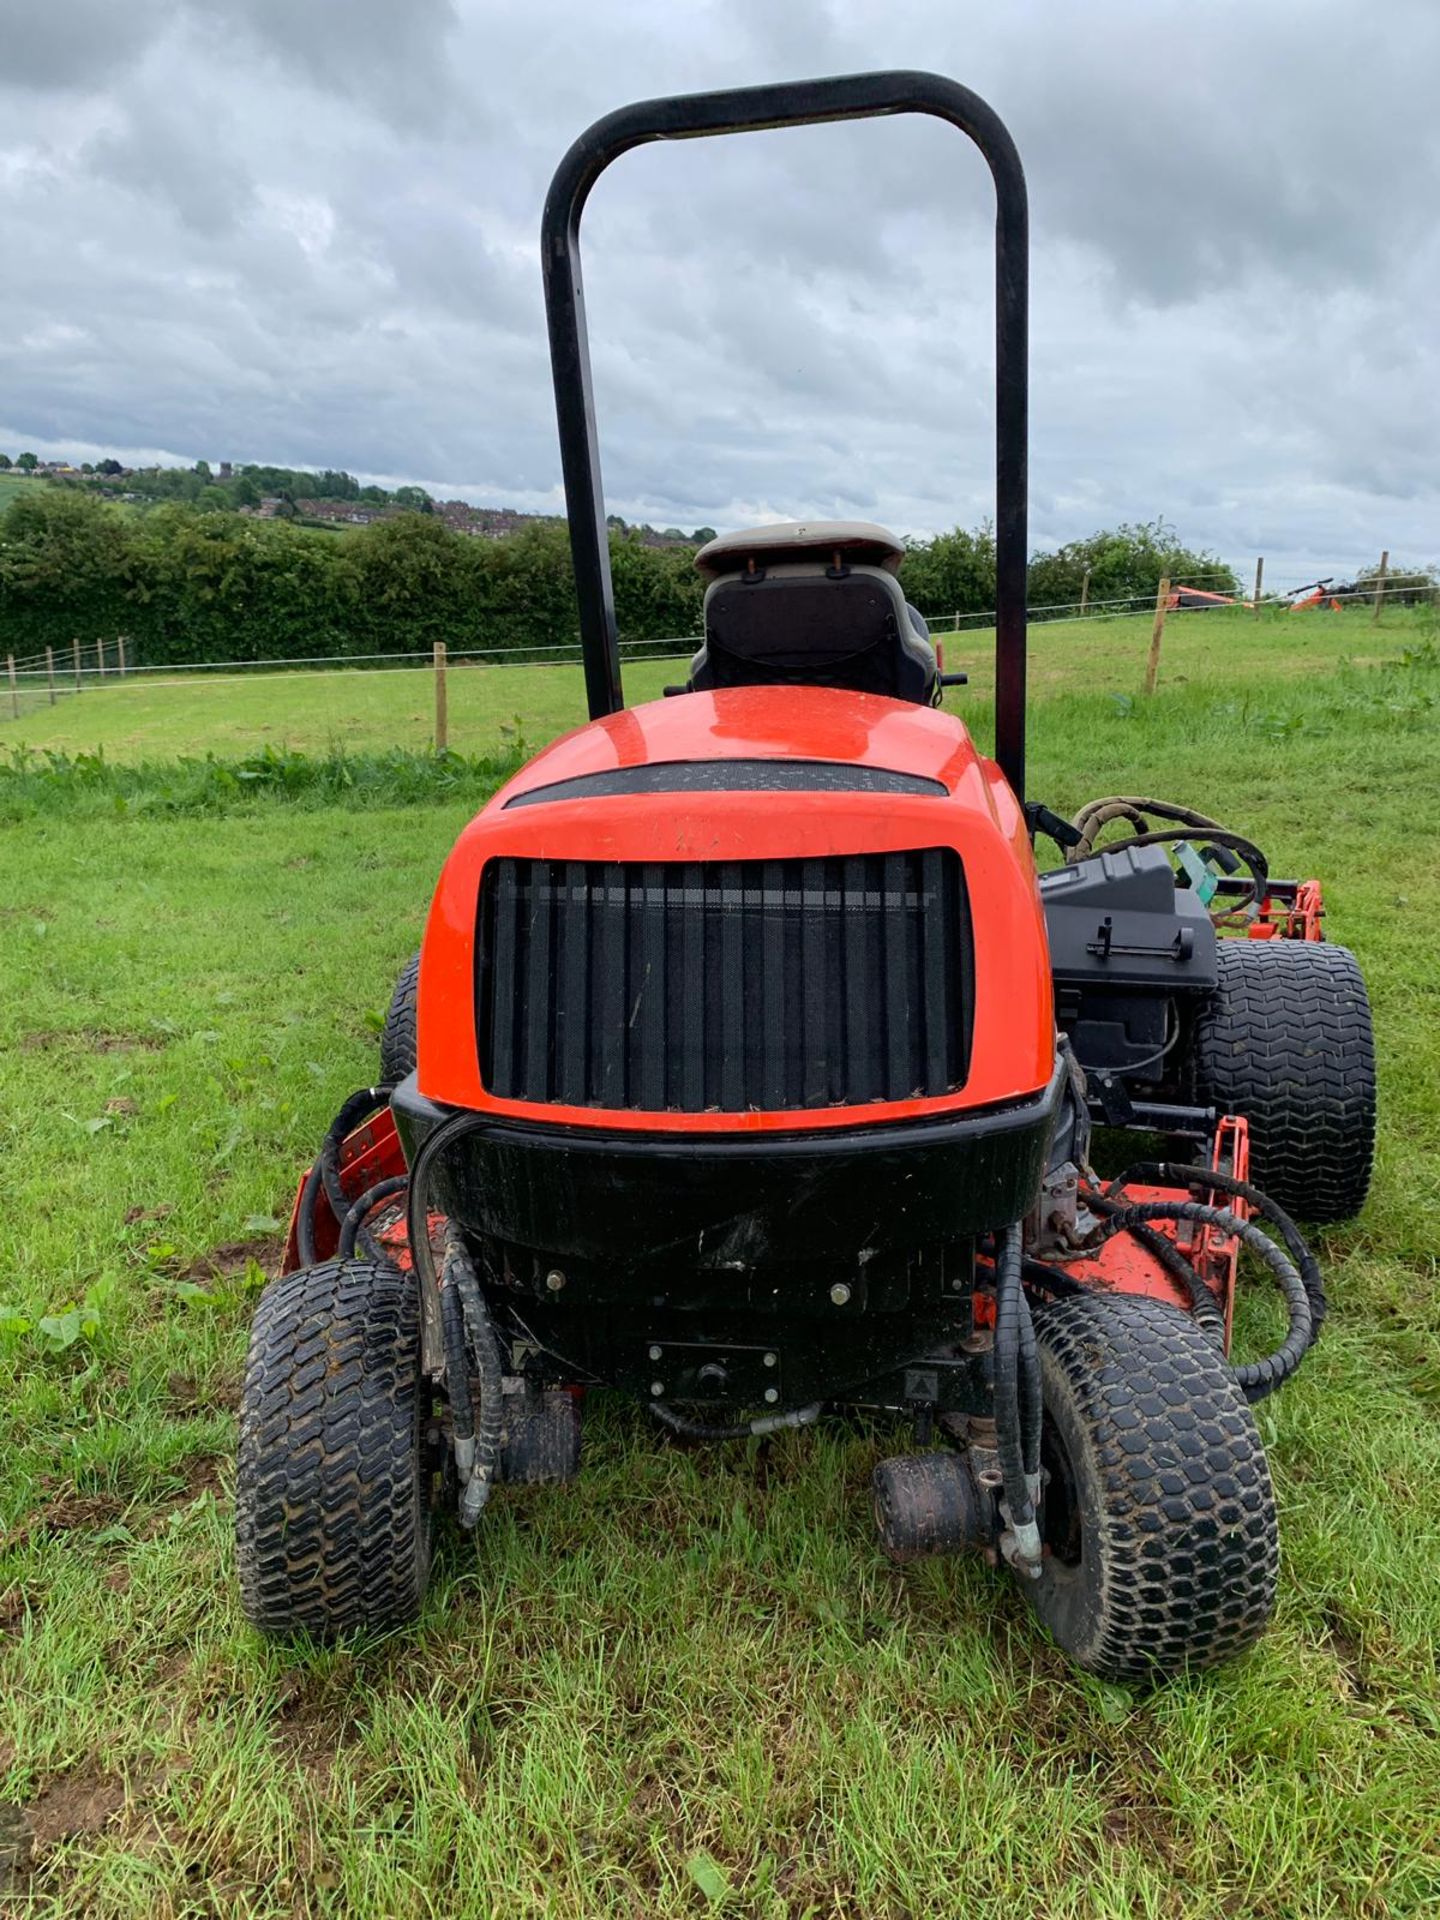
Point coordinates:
[[746, 110]]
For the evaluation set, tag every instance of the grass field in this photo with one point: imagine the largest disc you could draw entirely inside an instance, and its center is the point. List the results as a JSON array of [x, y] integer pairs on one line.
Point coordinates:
[[10, 486], [688, 1684], [159, 715]]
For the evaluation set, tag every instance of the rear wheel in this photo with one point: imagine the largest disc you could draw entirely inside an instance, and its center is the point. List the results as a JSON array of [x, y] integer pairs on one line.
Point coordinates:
[[333, 1510], [398, 1042], [1286, 1041], [1157, 1514]]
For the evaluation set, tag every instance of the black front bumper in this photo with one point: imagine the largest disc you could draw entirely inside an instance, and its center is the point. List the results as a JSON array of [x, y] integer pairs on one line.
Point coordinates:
[[643, 1204], [762, 1271]]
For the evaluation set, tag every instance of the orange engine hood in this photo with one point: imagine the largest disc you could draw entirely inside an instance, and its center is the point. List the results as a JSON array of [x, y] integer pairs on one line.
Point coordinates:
[[966, 805]]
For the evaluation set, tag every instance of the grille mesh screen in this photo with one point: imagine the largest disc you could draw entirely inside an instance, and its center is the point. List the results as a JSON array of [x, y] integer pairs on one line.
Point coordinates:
[[724, 986]]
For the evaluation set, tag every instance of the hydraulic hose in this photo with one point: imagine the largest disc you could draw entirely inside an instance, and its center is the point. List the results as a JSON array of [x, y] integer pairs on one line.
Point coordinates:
[[356, 1215], [418, 1216], [737, 1430], [489, 1369], [457, 1378], [1163, 1249], [1170, 1173], [1256, 1378], [326, 1171], [1051, 1280], [1138, 811], [1017, 1404], [357, 1108]]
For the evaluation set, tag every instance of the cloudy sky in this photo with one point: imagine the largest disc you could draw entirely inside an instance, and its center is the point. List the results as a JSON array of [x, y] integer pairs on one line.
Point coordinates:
[[305, 231]]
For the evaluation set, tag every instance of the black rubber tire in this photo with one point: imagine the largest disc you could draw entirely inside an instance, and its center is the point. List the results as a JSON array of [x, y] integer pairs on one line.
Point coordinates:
[[398, 1043], [1286, 1041], [333, 1509], [1157, 1514]]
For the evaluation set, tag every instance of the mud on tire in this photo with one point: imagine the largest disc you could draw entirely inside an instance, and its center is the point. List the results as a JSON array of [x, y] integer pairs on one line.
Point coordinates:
[[1158, 1513], [398, 1037], [332, 1497]]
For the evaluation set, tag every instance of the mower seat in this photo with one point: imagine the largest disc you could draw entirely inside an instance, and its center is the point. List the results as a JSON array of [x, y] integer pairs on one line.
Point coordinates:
[[812, 604]]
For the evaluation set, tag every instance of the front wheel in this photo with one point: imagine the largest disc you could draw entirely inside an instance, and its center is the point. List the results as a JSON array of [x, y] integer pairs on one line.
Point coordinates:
[[333, 1508], [1157, 1513]]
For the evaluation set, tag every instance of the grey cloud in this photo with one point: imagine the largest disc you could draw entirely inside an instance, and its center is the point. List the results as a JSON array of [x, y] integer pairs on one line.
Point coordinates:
[[169, 154], [53, 46], [309, 233], [390, 60]]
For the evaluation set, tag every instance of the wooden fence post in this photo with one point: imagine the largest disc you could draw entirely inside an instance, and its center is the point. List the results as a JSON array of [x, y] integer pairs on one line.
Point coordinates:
[[76, 645], [1380, 587], [1259, 581], [14, 688], [120, 643], [50, 671], [442, 717], [1084, 593], [100, 658], [1157, 633]]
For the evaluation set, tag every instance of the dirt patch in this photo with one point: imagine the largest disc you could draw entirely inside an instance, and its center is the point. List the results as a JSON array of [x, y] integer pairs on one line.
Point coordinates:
[[91, 1040], [14, 1605], [17, 1844], [1348, 1653], [190, 1399], [224, 1263], [138, 1214], [68, 1511], [200, 1475], [72, 1512], [1143, 1825], [122, 1103], [314, 1719], [80, 1803]]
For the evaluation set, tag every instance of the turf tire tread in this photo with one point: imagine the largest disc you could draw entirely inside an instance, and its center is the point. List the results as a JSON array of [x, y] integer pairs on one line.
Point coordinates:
[[332, 1510], [399, 1046], [1180, 1541], [1286, 1041]]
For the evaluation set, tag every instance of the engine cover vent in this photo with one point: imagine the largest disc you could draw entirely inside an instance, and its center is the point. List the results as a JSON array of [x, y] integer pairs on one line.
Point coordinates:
[[728, 986]]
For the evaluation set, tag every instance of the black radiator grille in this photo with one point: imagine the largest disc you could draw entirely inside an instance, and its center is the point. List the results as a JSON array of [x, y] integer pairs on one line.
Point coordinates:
[[724, 986]]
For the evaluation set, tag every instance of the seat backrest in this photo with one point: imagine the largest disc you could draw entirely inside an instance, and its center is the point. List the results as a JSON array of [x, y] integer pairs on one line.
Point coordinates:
[[792, 607]]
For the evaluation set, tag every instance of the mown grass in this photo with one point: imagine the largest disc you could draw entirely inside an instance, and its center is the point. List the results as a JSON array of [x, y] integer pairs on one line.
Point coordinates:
[[161, 716], [689, 1683]]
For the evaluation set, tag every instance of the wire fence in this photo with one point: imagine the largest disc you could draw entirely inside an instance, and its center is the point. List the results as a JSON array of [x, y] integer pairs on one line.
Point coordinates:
[[45, 679]]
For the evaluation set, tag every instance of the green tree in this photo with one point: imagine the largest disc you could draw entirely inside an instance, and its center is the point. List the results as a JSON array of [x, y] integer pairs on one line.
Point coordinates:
[[28, 461], [658, 594], [406, 580], [1124, 563], [5, 463], [65, 553], [953, 573]]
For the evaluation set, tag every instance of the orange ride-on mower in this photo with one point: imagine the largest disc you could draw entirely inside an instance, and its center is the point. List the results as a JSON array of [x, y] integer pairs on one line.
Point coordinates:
[[748, 1068]]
